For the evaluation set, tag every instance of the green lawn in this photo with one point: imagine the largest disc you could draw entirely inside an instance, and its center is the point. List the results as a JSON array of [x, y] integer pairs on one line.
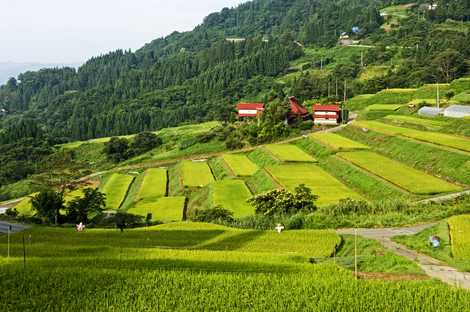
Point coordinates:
[[196, 173], [153, 185], [384, 107], [427, 123], [115, 190], [337, 142], [457, 142], [460, 236], [164, 209], [328, 188], [232, 195], [240, 164], [406, 177], [289, 153]]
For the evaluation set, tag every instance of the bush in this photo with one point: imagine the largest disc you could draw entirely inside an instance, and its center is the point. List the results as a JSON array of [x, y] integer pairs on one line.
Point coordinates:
[[144, 142], [117, 149], [216, 215]]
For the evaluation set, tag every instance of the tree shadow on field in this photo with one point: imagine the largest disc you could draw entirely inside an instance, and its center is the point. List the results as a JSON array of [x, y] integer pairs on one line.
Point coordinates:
[[232, 242]]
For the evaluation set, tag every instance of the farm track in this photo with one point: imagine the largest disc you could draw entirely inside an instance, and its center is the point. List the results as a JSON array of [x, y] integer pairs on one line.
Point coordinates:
[[432, 267]]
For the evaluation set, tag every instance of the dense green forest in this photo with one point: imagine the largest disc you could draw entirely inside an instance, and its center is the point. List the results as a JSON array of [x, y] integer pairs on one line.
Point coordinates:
[[199, 75]]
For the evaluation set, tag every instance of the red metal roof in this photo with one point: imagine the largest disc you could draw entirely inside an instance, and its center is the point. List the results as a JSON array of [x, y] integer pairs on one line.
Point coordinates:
[[326, 108], [296, 108], [250, 106]]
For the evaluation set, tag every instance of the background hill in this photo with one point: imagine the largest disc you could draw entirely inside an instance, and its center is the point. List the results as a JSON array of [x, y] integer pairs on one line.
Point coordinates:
[[240, 53]]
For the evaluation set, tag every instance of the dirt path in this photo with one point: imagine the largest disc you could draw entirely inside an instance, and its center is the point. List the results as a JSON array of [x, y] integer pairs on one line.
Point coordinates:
[[443, 198], [433, 267]]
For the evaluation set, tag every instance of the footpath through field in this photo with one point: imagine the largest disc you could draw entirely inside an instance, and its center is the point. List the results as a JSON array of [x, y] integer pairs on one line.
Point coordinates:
[[431, 266]]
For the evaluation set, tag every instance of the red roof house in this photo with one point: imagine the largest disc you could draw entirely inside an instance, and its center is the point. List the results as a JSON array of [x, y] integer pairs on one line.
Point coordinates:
[[250, 109], [326, 114], [296, 109]]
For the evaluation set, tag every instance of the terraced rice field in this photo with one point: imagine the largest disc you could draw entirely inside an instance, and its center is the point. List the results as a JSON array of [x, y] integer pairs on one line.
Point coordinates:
[[289, 153], [393, 96], [115, 190], [232, 195], [196, 174], [24, 207], [164, 209], [384, 107], [410, 179], [428, 123], [457, 142], [240, 165], [154, 185], [329, 189], [337, 142], [460, 236]]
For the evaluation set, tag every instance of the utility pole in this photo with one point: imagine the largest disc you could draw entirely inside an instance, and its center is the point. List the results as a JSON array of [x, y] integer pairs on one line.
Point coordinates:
[[345, 91], [329, 93], [9, 230], [321, 63], [438, 96], [336, 88], [362, 58], [355, 252]]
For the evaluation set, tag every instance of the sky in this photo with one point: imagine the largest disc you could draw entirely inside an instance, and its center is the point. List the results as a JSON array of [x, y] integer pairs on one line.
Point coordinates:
[[72, 31]]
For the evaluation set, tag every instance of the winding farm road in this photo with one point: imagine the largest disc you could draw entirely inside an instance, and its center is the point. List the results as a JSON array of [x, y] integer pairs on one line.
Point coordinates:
[[433, 267]]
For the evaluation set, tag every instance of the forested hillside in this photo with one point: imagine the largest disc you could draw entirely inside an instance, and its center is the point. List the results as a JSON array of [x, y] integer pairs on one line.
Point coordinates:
[[234, 54]]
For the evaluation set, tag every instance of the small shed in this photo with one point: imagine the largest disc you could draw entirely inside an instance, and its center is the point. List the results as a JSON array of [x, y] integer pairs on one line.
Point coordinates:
[[326, 114], [429, 111], [457, 111], [250, 109]]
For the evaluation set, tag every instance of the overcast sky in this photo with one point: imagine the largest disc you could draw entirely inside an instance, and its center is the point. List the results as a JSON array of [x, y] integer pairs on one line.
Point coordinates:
[[71, 31]]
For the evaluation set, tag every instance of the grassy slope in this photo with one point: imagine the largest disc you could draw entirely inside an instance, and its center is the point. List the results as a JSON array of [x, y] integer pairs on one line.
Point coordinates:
[[420, 242]]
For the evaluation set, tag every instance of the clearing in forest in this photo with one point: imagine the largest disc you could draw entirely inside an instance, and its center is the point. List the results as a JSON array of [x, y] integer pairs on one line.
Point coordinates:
[[337, 142], [232, 195], [289, 153], [328, 188], [115, 190], [196, 173], [408, 178], [240, 164]]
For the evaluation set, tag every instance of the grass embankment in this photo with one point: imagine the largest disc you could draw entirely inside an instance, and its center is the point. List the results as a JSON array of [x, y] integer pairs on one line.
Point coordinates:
[[261, 182], [328, 188], [457, 142], [198, 267], [439, 162], [420, 243], [430, 124], [289, 153], [232, 195], [410, 179], [115, 190], [220, 169]]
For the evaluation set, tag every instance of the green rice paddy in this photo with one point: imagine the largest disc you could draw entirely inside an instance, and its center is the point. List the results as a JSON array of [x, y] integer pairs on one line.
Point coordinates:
[[115, 190], [406, 177], [457, 142], [154, 185], [240, 165], [164, 209], [337, 142], [459, 227], [196, 173], [428, 123], [232, 195], [322, 184], [384, 107], [289, 153]]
